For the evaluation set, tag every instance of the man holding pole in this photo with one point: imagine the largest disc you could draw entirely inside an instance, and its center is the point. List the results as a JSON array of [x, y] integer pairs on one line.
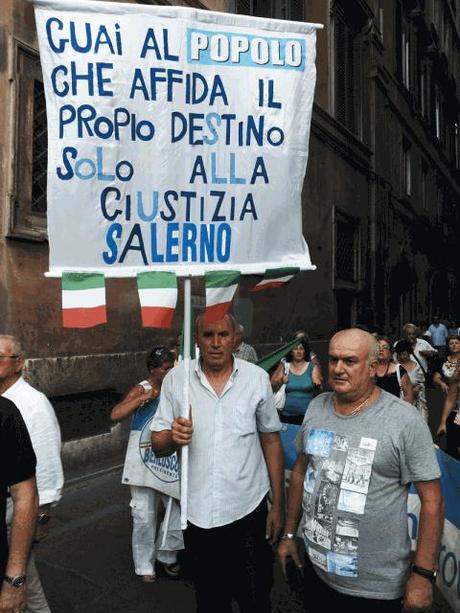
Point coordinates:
[[359, 450], [235, 457]]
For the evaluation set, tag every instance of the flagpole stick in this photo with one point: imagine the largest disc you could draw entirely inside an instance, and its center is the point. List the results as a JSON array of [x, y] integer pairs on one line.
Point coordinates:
[[166, 522], [186, 397]]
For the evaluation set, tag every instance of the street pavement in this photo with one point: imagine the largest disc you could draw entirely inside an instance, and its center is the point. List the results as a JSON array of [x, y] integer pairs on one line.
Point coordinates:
[[86, 564]]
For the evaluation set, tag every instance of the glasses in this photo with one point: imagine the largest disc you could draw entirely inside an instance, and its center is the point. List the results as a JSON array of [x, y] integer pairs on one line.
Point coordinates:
[[385, 347], [11, 357]]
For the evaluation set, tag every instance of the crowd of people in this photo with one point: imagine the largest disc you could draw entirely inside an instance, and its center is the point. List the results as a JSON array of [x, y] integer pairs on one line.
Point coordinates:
[[359, 447]]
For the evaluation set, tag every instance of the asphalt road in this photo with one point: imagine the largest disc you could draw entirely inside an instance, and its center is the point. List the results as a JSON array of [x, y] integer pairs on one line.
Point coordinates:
[[86, 566]]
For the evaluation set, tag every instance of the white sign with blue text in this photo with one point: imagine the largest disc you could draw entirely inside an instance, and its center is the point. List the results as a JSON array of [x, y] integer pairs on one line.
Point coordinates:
[[178, 138]]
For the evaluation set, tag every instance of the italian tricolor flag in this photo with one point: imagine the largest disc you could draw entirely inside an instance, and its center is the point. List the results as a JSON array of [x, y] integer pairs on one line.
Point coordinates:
[[220, 289], [83, 300], [158, 298], [275, 277]]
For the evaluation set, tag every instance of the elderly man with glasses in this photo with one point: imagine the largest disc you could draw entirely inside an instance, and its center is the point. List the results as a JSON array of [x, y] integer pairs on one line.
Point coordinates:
[[43, 428]]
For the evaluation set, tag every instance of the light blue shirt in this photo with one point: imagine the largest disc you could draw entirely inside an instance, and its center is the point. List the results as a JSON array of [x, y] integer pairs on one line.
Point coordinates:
[[228, 476], [439, 334]]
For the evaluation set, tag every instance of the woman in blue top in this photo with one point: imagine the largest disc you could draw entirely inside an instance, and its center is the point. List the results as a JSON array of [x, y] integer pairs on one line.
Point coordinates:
[[140, 405], [300, 388]]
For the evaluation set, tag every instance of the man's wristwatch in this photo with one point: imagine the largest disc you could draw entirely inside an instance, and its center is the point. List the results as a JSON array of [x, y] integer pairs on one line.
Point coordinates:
[[287, 536], [16, 581], [424, 572], [43, 518]]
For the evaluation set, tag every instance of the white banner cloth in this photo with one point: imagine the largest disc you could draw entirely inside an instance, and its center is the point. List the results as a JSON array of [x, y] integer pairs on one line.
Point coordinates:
[[178, 138]]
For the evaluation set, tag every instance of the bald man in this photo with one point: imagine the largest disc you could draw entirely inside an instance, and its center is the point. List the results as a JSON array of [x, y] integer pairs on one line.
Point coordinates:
[[359, 450]]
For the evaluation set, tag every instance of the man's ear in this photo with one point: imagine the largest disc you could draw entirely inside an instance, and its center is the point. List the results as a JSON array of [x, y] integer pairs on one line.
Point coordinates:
[[20, 365], [373, 368]]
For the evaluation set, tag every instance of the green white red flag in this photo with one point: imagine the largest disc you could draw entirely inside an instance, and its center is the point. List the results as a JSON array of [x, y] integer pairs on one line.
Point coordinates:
[[275, 277], [158, 298], [220, 289], [83, 300]]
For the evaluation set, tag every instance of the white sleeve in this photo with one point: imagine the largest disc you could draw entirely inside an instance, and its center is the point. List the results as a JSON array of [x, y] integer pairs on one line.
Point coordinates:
[[164, 414], [46, 440]]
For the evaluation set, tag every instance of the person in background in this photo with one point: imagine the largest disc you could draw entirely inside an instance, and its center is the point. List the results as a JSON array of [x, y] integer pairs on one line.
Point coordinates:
[[42, 425], [392, 377], [17, 474], [317, 374], [359, 450], [235, 457], [300, 386], [140, 404], [422, 351], [445, 369], [242, 350], [403, 350], [439, 336], [450, 418]]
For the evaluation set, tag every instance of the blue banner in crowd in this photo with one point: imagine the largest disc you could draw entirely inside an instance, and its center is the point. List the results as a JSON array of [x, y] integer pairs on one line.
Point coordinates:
[[288, 435], [449, 560]]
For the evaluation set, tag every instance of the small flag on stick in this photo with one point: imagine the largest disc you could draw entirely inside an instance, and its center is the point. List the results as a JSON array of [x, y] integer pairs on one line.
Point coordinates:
[[83, 300], [275, 277], [220, 289], [158, 298]]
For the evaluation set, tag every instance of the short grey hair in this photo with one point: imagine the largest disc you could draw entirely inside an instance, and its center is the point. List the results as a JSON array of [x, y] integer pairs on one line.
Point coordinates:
[[16, 346], [374, 350], [239, 328]]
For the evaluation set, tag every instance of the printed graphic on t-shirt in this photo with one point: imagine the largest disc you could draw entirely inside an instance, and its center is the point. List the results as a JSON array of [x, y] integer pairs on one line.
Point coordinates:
[[340, 564], [357, 472], [368, 443], [352, 502], [310, 479], [326, 501], [346, 536], [335, 490], [319, 442], [340, 443], [332, 470], [316, 556], [319, 531]]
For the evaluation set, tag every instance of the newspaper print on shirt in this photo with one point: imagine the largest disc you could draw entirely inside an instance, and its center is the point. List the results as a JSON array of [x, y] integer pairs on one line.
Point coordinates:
[[335, 490], [319, 442], [319, 531], [326, 501], [358, 468], [346, 536], [339, 564]]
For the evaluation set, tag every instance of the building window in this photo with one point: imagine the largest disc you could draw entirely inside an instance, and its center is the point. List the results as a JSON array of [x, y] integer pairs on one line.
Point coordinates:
[[403, 46], [346, 250], [279, 9], [423, 91], [437, 112], [423, 186], [406, 167], [405, 61], [348, 55], [28, 205]]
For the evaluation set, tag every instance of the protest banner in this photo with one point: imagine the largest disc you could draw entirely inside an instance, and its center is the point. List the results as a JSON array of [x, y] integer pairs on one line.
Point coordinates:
[[178, 138], [448, 580]]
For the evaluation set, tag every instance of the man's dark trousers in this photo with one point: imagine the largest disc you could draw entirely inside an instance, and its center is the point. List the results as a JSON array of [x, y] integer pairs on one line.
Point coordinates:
[[232, 562]]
